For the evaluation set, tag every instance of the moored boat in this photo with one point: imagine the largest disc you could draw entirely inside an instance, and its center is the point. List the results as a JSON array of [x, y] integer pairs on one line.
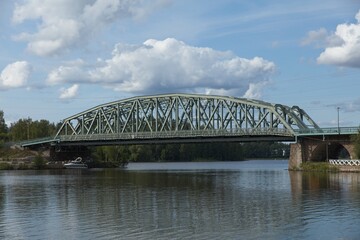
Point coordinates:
[[77, 163]]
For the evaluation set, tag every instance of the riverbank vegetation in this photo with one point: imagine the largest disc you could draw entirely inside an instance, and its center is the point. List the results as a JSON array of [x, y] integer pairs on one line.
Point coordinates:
[[317, 167], [25, 129], [220, 151]]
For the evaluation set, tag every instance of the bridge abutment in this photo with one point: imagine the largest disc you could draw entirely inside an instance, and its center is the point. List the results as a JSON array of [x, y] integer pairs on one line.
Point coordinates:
[[320, 149]]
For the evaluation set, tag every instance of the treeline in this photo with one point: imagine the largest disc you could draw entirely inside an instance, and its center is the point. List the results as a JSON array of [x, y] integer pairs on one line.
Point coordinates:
[[224, 151], [25, 129]]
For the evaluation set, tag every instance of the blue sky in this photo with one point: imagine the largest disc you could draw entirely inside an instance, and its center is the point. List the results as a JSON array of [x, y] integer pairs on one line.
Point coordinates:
[[61, 57]]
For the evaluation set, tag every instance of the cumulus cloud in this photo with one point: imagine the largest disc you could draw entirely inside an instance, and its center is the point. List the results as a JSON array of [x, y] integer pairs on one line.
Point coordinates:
[[171, 65], [68, 93], [63, 24], [343, 46], [15, 75]]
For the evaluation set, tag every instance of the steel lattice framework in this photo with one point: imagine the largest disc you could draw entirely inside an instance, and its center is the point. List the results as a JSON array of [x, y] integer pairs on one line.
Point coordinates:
[[183, 116]]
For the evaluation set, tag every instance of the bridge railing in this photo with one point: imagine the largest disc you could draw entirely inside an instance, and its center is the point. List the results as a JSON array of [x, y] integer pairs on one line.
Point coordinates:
[[37, 141], [179, 134], [327, 131], [345, 162]]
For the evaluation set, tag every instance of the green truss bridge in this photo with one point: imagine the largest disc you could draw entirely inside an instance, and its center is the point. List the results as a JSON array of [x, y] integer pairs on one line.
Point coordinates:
[[177, 118]]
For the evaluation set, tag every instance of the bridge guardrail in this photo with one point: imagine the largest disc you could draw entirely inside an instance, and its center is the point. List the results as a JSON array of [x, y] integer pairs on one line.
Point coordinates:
[[327, 131], [344, 162], [179, 134], [37, 141]]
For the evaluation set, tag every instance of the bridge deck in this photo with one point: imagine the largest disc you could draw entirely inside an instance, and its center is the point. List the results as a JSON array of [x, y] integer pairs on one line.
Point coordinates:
[[180, 136], [239, 135], [38, 141]]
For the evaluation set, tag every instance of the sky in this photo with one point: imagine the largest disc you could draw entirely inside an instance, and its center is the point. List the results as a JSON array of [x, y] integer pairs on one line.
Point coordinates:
[[62, 57]]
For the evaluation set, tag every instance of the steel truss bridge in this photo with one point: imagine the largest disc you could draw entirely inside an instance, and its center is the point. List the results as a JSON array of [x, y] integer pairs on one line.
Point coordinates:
[[183, 118]]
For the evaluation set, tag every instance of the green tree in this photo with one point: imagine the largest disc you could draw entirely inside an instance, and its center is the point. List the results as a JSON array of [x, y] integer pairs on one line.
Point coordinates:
[[25, 129], [20, 130], [42, 128], [170, 152], [39, 162], [3, 129]]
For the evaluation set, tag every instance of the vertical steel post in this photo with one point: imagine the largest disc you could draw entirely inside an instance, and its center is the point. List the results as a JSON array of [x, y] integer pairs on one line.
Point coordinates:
[[338, 119]]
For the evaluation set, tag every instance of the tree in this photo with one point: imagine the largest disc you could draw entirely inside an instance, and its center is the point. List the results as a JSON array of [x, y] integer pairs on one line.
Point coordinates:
[[25, 129], [3, 129], [39, 162]]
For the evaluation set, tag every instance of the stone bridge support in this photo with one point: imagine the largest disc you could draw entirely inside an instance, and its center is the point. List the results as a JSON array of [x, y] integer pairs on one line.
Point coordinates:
[[320, 149]]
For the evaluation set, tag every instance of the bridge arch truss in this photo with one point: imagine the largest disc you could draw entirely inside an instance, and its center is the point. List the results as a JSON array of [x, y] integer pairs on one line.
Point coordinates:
[[189, 116]]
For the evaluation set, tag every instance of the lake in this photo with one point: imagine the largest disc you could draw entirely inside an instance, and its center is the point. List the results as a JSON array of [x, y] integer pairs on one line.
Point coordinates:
[[258, 199]]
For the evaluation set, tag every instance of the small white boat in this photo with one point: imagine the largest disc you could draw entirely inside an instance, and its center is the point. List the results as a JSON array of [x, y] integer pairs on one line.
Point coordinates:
[[77, 163]]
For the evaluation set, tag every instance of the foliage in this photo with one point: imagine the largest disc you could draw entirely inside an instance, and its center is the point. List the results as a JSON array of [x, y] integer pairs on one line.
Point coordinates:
[[356, 140], [112, 154], [3, 130], [3, 127], [25, 129], [266, 150], [39, 162], [190, 152], [318, 167]]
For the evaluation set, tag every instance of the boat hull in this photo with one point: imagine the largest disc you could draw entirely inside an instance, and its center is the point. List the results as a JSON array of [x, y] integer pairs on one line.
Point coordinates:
[[75, 165]]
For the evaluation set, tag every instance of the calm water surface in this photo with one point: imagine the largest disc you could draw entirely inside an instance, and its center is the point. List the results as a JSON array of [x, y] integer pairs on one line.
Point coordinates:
[[217, 200]]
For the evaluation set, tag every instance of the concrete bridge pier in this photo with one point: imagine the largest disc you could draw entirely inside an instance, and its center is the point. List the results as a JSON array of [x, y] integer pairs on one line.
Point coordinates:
[[320, 149]]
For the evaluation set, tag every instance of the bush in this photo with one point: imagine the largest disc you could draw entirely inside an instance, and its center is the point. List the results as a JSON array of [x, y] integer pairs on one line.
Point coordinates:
[[318, 167], [39, 162]]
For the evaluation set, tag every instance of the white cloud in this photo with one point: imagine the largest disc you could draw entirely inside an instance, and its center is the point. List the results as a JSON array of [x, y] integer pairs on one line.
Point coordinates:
[[66, 74], [321, 38], [63, 24], [15, 75], [317, 37], [344, 50], [68, 93], [255, 90], [171, 65]]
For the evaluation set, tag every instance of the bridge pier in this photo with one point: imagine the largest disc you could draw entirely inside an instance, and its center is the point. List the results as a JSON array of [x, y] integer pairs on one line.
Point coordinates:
[[320, 149], [296, 155]]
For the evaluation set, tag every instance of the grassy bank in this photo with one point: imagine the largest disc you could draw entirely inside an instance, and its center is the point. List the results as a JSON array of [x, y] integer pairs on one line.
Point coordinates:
[[316, 167], [21, 159], [10, 153]]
